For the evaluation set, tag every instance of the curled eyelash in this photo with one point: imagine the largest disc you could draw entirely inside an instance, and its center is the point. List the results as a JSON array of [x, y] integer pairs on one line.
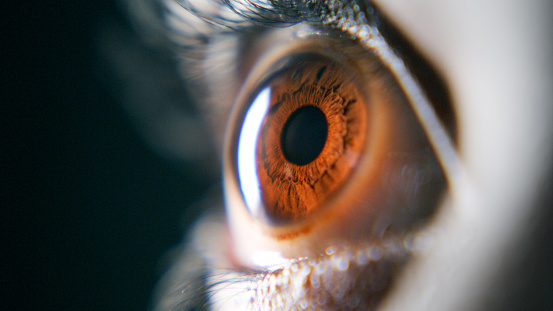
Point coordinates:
[[191, 29], [197, 292], [213, 18], [345, 268]]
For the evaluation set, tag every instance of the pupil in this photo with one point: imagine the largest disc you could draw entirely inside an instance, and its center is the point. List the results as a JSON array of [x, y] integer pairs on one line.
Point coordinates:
[[303, 135]]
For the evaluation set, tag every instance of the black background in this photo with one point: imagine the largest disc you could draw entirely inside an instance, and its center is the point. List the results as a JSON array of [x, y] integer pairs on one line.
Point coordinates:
[[87, 208]]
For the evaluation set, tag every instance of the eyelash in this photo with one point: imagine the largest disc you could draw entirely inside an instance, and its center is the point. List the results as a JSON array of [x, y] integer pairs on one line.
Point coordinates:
[[248, 15], [200, 287], [350, 20]]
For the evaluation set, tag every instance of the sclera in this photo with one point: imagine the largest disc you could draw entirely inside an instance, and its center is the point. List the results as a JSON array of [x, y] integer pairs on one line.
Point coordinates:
[[353, 212]]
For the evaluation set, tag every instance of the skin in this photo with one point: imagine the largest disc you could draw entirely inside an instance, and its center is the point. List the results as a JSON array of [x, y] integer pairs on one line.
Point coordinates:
[[495, 60], [500, 89]]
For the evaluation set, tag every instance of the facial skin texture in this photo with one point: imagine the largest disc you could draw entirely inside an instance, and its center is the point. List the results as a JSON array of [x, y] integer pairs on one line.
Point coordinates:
[[498, 67], [495, 59]]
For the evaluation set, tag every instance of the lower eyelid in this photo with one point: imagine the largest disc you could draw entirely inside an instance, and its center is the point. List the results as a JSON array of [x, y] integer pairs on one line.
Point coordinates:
[[208, 274], [204, 275], [218, 274]]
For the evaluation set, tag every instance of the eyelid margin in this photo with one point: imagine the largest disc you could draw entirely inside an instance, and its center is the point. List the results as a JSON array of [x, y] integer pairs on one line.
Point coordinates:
[[260, 72]]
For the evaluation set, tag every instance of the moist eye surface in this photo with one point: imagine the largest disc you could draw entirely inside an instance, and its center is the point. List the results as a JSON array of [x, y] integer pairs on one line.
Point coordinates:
[[309, 134], [334, 150]]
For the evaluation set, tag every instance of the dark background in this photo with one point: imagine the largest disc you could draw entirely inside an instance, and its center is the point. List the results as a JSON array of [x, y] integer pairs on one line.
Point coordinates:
[[87, 208]]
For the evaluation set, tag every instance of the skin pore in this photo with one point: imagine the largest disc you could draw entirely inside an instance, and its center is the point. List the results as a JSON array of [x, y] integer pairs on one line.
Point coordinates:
[[497, 70], [499, 87]]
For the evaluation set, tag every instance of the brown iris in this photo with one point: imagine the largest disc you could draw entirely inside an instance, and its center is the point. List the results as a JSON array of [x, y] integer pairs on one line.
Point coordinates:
[[311, 137]]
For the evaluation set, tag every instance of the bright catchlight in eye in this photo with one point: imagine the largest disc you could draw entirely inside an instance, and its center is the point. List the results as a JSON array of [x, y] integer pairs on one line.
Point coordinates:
[[300, 140], [247, 166], [327, 171], [325, 150]]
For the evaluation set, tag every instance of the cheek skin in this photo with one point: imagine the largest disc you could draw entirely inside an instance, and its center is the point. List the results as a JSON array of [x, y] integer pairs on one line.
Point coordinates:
[[482, 49]]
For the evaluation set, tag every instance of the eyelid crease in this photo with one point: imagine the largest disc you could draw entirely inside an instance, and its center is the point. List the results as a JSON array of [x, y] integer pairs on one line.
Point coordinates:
[[353, 22], [356, 23], [357, 30], [436, 132]]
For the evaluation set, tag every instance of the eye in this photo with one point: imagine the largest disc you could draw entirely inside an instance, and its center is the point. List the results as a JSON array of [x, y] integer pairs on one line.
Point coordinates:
[[324, 152], [342, 248], [332, 163], [301, 138]]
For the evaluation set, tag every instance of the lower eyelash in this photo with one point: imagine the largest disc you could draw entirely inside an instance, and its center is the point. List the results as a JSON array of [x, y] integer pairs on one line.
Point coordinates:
[[192, 281], [195, 283], [300, 282]]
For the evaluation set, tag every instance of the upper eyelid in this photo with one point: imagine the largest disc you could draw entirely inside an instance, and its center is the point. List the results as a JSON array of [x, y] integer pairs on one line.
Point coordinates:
[[357, 19], [196, 26]]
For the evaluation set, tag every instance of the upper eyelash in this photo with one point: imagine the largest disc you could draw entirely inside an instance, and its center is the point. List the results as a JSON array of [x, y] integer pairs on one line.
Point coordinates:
[[238, 16], [251, 16], [241, 15]]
